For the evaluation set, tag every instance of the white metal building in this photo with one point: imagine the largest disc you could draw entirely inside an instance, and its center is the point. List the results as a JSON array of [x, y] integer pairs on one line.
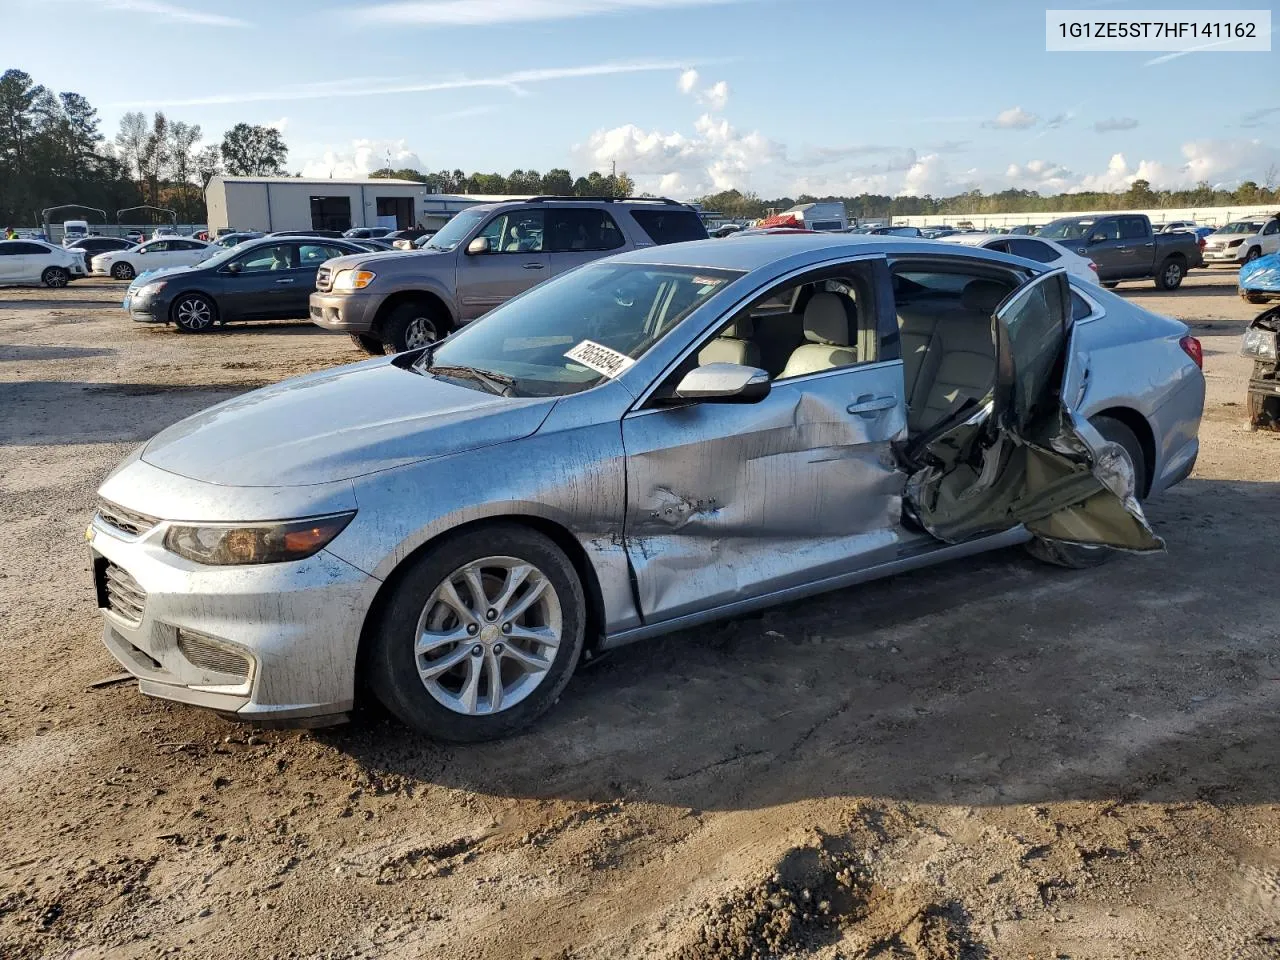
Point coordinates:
[[298, 203]]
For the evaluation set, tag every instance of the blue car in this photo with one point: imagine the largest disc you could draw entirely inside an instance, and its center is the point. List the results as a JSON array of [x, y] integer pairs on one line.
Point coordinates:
[[1260, 279]]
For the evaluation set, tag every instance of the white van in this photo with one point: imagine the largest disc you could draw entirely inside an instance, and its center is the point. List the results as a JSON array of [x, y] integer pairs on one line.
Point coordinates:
[[74, 230]]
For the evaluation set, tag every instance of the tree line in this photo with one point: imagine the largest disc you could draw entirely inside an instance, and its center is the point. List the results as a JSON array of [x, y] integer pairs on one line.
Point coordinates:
[[53, 152], [556, 182], [1139, 196]]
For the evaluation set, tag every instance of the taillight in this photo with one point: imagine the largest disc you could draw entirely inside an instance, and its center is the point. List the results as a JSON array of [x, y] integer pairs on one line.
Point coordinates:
[[1093, 266], [1202, 243], [1191, 347]]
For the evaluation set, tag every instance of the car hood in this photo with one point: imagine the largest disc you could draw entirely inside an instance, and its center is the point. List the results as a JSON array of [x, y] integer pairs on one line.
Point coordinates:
[[339, 424], [1262, 275], [371, 260], [1221, 239], [158, 273]]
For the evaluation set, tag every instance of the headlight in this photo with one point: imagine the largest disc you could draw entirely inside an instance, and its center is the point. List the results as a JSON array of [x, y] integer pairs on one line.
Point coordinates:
[[230, 544], [1236, 243], [151, 289], [353, 280], [1260, 344]]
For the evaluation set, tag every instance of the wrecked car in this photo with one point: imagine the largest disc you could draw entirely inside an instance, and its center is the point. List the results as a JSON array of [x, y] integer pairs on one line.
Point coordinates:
[[641, 445], [1259, 279], [1261, 344]]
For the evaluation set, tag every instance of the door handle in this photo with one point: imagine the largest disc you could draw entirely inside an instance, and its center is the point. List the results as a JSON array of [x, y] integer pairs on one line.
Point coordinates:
[[284, 281], [868, 406], [534, 266]]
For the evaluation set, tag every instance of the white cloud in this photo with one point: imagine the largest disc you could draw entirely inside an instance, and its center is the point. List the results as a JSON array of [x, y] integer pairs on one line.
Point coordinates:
[[1112, 124], [1015, 118], [715, 156], [282, 124], [375, 86], [170, 11], [364, 157], [688, 80], [1042, 175], [716, 96], [454, 13]]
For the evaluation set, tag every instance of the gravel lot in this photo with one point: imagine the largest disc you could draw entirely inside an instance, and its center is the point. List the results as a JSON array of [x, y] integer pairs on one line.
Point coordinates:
[[993, 759]]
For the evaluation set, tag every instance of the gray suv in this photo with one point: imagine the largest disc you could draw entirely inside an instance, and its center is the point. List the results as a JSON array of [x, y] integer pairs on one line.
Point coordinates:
[[484, 256]]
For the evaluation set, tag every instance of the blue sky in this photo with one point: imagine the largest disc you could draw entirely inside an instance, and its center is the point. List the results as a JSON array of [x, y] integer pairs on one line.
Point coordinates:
[[689, 96]]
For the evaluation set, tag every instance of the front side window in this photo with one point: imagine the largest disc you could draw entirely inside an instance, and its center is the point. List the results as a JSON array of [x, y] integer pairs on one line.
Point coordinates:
[[279, 256], [1068, 229], [159, 246], [1242, 226], [605, 315], [517, 232], [1272, 227], [580, 231]]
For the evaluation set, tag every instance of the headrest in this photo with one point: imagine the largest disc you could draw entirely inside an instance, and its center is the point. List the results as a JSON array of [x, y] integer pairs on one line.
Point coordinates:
[[741, 329], [983, 295], [825, 319]]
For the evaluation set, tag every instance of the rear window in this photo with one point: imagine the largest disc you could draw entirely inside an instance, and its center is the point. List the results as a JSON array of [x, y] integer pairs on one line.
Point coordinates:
[[670, 226]]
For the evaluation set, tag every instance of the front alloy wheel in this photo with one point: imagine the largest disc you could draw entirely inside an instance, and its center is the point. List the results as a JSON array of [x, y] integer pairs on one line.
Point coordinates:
[[479, 635], [55, 277], [193, 314], [122, 271]]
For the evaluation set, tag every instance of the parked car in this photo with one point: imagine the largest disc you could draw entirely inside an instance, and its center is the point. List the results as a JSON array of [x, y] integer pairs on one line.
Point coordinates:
[[938, 233], [164, 231], [33, 262], [1261, 344], [1259, 279], [153, 255], [229, 240], [92, 246], [374, 244], [1026, 229], [1124, 248], [1176, 226], [267, 279], [414, 239], [367, 233], [1243, 240], [134, 236], [331, 234], [1031, 248], [891, 231], [570, 472], [481, 258], [73, 230]]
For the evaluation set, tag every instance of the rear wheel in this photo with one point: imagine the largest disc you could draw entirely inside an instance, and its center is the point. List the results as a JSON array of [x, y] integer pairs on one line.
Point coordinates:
[[480, 634], [55, 277], [1170, 274], [1254, 297], [370, 345], [194, 313], [410, 326], [123, 271], [1078, 556]]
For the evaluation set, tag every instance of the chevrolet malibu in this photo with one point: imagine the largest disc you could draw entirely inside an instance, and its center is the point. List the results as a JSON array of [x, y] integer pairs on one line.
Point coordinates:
[[643, 444]]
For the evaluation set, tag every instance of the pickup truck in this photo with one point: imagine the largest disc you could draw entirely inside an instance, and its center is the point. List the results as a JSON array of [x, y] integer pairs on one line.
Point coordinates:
[[1124, 247]]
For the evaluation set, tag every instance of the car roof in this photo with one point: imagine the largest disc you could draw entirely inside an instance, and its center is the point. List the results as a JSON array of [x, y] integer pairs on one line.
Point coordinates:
[[753, 251], [972, 239]]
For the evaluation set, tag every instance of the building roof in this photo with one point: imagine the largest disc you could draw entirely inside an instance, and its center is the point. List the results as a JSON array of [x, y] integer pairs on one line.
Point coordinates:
[[332, 181]]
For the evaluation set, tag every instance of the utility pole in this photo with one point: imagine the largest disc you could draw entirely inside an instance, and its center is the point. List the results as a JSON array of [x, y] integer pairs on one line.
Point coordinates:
[[615, 168]]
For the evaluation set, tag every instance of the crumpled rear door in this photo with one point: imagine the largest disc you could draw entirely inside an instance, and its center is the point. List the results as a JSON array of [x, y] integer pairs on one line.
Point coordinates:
[[1022, 456]]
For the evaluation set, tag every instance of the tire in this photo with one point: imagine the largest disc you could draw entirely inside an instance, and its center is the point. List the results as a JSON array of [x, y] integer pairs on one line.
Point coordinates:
[[1171, 274], [123, 271], [1253, 254], [55, 277], [194, 313], [1254, 297], [1075, 556], [412, 325], [370, 345], [1111, 284], [437, 703]]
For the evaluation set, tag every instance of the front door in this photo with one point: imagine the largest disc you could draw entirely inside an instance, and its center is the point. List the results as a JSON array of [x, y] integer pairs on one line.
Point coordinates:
[[729, 501], [514, 262], [1026, 458], [263, 283], [1108, 251]]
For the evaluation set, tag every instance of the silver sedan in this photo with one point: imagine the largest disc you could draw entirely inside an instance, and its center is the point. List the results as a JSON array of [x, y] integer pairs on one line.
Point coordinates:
[[638, 446]]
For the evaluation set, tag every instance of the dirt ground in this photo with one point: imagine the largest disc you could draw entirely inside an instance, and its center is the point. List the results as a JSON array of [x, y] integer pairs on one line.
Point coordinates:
[[988, 760]]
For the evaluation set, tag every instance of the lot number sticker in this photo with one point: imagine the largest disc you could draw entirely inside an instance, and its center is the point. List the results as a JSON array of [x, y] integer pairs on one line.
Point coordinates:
[[600, 358]]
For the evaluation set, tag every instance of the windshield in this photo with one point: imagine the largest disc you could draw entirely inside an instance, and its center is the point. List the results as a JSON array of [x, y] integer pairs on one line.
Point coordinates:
[[605, 316], [455, 231], [1067, 229], [1242, 226]]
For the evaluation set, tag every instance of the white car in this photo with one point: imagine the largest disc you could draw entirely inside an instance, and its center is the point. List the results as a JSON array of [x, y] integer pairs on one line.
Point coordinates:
[[1176, 226], [34, 262], [1242, 241], [154, 255], [1032, 248]]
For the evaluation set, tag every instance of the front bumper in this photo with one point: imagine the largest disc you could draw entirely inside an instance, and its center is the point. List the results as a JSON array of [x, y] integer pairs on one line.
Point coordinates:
[[344, 312], [1264, 398], [265, 642], [1233, 255]]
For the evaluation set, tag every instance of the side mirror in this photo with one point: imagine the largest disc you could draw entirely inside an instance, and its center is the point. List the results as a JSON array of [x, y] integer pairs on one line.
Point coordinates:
[[478, 245], [1096, 238], [724, 383], [234, 268]]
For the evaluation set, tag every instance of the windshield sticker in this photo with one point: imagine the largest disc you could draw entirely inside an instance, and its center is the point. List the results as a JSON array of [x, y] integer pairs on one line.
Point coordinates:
[[707, 281], [600, 358]]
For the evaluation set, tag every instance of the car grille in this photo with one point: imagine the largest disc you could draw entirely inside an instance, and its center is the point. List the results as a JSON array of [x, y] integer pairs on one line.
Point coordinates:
[[126, 521], [324, 276], [206, 655], [119, 592]]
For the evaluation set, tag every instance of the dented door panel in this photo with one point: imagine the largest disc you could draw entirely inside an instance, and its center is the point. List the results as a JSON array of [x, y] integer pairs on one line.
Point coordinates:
[[728, 501]]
